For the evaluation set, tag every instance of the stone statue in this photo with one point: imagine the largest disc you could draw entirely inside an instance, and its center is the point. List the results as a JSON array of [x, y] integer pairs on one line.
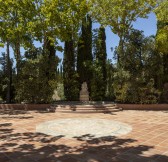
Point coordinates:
[[84, 94]]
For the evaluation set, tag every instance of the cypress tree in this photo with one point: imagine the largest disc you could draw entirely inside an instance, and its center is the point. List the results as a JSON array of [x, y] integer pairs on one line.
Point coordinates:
[[99, 81], [84, 53], [52, 60], [69, 74], [110, 79], [102, 55]]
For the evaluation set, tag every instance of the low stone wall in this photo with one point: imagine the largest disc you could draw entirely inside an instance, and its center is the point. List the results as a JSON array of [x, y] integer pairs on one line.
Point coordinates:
[[154, 107], [24, 106]]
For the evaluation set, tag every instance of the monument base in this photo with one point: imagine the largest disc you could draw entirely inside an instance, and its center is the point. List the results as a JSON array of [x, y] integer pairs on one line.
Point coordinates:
[[84, 94]]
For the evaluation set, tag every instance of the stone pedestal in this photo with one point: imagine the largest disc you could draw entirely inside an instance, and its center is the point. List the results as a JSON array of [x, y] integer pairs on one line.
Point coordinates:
[[84, 94]]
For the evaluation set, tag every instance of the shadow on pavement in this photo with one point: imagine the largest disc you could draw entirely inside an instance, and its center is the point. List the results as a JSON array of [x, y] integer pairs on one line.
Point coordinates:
[[38, 147]]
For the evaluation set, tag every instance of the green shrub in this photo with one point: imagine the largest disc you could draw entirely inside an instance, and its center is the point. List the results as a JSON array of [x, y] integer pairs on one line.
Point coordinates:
[[134, 90], [33, 85]]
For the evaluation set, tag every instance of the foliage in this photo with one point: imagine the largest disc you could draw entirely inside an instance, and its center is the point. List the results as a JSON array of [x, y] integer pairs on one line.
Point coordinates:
[[162, 33], [99, 80], [84, 53], [97, 83], [161, 10], [6, 78], [162, 37], [110, 79], [162, 48], [135, 90], [34, 86], [71, 88], [119, 16], [13, 29], [141, 66], [3, 85], [136, 81]]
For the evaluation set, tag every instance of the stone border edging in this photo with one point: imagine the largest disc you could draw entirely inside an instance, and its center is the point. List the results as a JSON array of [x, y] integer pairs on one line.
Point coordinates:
[[153, 107], [25, 106]]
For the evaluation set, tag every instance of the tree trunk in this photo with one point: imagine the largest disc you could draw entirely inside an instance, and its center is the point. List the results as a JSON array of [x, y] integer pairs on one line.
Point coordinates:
[[18, 57], [9, 75], [121, 52]]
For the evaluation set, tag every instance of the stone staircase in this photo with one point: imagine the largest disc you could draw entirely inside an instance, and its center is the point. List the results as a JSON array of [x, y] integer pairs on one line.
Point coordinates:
[[88, 108]]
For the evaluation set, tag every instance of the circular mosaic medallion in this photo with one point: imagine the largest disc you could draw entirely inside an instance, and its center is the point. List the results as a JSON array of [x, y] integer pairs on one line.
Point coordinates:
[[83, 126]]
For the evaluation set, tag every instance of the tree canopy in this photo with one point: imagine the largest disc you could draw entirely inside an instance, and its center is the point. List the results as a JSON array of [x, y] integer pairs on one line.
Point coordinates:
[[22, 23]]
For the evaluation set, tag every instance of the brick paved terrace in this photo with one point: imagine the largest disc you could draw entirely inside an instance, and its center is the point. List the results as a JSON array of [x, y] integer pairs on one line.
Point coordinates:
[[147, 142]]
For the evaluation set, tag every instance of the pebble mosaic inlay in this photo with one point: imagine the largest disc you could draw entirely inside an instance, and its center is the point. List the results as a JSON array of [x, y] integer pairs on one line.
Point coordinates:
[[83, 126]]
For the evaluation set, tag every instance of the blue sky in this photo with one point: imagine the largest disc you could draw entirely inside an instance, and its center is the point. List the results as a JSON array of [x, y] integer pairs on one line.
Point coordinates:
[[147, 25]]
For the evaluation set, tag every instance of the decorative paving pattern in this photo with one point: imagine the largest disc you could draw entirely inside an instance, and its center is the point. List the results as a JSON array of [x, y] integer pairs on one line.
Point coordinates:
[[147, 142], [83, 126]]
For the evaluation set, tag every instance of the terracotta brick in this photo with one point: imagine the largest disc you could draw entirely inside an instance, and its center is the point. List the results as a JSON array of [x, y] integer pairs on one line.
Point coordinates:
[[148, 141]]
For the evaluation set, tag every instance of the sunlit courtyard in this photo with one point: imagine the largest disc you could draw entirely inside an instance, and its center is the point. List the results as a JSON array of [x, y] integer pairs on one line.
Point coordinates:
[[83, 80], [76, 137]]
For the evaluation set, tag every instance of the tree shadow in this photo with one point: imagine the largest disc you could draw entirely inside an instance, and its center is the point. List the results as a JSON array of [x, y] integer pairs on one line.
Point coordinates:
[[30, 146], [5, 124], [43, 112], [16, 117], [19, 114]]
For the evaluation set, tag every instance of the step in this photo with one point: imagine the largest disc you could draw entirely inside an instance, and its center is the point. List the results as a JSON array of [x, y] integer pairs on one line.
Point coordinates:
[[86, 111], [87, 106], [102, 108], [83, 107], [103, 111]]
